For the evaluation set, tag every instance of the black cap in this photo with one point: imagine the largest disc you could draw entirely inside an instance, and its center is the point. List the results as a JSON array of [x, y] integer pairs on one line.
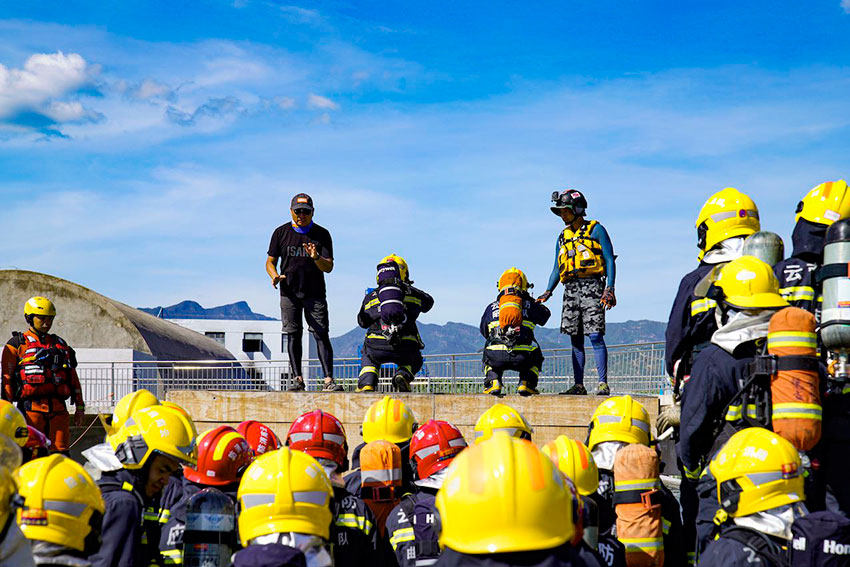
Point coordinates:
[[301, 201]]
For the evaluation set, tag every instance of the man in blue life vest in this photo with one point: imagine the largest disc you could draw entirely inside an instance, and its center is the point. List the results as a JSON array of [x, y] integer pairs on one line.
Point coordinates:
[[584, 263]]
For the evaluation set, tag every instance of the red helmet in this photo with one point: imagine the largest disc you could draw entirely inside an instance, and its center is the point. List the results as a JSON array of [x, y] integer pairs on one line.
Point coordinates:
[[260, 437], [320, 435], [223, 455], [434, 445]]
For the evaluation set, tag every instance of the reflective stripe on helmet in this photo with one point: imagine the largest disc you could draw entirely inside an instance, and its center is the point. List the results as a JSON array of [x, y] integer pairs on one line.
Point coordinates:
[[70, 508], [317, 497], [252, 500]]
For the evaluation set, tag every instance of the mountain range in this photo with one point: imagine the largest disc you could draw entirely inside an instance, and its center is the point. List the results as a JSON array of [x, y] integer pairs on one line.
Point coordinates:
[[439, 339]]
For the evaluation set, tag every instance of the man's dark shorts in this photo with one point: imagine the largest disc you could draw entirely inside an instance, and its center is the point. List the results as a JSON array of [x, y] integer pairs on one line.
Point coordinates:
[[314, 310], [582, 312]]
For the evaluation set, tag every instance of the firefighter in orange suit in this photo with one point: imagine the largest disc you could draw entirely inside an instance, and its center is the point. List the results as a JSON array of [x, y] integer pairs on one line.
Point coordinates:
[[39, 375]]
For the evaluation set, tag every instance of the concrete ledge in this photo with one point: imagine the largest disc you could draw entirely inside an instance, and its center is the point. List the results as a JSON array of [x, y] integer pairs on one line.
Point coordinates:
[[550, 415]]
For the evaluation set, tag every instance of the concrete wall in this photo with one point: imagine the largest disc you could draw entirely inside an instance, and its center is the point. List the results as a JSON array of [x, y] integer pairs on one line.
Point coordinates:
[[550, 415]]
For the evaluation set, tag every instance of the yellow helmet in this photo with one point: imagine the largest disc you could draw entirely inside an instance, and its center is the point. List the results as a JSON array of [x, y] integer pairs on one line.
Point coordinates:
[[502, 417], [748, 283], [39, 306], [12, 423], [726, 214], [125, 407], [512, 277], [402, 265], [620, 418], [284, 491], [388, 419], [8, 488], [757, 470], [62, 504], [574, 459], [826, 203], [156, 429], [504, 495]]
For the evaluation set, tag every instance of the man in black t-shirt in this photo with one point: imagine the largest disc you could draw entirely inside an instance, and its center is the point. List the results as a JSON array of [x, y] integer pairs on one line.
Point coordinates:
[[305, 251]]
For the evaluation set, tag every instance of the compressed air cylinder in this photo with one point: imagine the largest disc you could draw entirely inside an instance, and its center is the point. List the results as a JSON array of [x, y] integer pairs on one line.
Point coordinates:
[[210, 533], [766, 246], [835, 317]]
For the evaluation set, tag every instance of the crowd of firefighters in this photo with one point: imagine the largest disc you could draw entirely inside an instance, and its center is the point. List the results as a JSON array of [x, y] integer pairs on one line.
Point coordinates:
[[761, 422]]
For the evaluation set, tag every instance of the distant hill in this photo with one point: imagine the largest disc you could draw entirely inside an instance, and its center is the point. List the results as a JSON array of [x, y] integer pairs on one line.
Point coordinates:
[[193, 310], [460, 337]]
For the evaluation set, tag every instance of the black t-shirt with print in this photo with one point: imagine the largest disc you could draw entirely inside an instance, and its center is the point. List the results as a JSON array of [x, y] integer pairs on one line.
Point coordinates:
[[303, 277]]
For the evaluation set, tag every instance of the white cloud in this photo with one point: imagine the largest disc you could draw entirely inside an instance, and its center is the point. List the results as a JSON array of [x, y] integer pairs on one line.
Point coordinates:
[[150, 89], [321, 103], [846, 5], [44, 78]]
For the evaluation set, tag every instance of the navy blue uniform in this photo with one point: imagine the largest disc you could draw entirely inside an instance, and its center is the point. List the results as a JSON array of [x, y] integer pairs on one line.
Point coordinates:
[[125, 534], [741, 547], [411, 527], [691, 322], [834, 448], [354, 534], [563, 556], [797, 284], [269, 555], [377, 349], [523, 355], [715, 379]]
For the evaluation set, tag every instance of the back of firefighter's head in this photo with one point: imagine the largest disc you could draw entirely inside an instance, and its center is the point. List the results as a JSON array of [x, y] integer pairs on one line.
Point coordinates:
[[574, 459], [223, 455], [322, 436], [260, 436], [502, 418], [156, 441], [620, 418], [825, 204], [127, 406], [62, 504], [746, 284], [388, 419], [726, 214], [403, 271], [512, 277], [504, 495], [434, 446], [756, 470], [39, 313], [13, 424], [282, 492]]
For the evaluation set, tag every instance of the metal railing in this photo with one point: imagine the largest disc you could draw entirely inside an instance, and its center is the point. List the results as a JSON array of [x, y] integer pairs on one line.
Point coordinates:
[[632, 369]]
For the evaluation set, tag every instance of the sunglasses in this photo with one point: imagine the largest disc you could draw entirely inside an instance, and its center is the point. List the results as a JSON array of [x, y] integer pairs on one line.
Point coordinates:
[[302, 211]]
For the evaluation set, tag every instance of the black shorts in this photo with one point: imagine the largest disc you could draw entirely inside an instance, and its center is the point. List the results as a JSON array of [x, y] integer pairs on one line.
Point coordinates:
[[293, 310]]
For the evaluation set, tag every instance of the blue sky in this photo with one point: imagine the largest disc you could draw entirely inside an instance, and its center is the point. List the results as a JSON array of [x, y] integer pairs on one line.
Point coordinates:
[[149, 151]]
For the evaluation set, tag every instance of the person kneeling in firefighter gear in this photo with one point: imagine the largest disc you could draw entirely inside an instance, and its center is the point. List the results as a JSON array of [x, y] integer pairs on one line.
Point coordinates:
[[411, 525], [747, 296], [508, 325], [390, 420], [223, 455], [151, 445], [389, 314], [504, 503], [39, 374], [726, 219], [759, 495], [354, 533], [15, 550], [62, 511], [617, 423], [284, 512]]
